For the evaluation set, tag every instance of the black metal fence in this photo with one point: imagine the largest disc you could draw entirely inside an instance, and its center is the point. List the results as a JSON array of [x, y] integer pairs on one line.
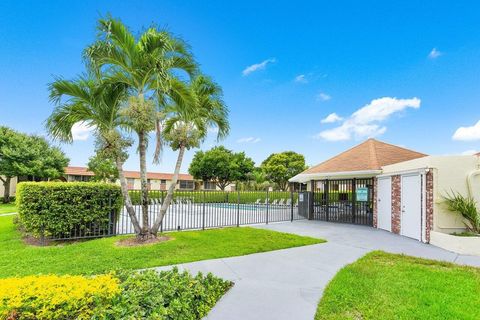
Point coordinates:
[[190, 210], [214, 209], [345, 200]]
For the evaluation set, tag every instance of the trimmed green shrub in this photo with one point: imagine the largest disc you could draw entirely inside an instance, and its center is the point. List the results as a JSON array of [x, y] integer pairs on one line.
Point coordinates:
[[166, 295], [61, 209]]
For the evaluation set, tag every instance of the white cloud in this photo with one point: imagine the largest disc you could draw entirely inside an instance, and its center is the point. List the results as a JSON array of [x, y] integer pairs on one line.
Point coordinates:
[[331, 118], [469, 152], [365, 122], [467, 133], [258, 66], [301, 78], [248, 140], [434, 53], [322, 96], [81, 131]]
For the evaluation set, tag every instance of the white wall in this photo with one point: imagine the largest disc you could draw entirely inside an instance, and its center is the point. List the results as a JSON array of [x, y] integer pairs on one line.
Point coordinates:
[[449, 173], [462, 245]]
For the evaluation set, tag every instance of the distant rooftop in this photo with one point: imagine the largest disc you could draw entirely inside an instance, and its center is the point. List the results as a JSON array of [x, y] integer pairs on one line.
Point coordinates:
[[83, 171]]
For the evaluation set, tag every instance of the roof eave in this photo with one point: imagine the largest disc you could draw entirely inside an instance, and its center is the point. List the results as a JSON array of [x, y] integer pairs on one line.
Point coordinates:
[[305, 177]]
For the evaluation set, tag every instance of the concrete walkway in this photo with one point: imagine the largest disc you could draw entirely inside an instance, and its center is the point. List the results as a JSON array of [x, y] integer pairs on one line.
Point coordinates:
[[287, 284]]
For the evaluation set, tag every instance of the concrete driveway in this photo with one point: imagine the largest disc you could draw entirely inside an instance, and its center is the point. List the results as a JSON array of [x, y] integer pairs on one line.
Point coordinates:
[[287, 284]]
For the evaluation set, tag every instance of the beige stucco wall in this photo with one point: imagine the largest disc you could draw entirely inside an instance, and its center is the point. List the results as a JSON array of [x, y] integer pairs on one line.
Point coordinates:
[[449, 173], [13, 187]]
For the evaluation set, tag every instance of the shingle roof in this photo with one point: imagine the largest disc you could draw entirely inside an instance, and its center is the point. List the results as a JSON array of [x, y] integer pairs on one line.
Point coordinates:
[[82, 171], [369, 155]]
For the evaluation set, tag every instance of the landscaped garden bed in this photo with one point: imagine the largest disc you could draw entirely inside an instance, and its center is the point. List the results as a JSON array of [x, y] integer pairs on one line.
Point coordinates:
[[120, 295], [388, 286]]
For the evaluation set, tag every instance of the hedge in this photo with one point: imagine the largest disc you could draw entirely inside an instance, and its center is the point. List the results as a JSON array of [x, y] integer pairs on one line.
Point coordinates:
[[216, 196], [121, 295], [59, 209]]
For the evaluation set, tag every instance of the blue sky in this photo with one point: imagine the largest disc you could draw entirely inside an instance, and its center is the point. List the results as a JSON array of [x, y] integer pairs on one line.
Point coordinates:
[[407, 73]]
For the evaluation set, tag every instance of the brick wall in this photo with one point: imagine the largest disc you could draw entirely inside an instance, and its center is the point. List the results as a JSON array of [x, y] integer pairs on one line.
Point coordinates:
[[396, 204], [429, 204]]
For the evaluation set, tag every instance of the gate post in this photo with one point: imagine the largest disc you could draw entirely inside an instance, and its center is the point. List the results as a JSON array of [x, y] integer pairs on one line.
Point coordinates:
[[327, 199], [291, 205], [266, 219], [203, 211], [354, 198], [238, 208], [311, 201]]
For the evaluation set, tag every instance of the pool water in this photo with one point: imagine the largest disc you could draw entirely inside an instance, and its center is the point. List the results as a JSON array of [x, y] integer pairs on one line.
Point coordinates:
[[247, 206]]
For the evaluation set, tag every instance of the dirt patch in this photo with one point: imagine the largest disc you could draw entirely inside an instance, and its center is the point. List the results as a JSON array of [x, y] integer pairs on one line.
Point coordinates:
[[134, 242], [32, 241]]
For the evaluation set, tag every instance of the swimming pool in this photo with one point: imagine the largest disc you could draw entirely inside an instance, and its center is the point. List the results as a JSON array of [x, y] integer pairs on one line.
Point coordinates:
[[242, 206]]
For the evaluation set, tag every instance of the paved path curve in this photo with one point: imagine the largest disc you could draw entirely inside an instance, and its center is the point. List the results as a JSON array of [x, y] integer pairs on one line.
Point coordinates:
[[287, 284]]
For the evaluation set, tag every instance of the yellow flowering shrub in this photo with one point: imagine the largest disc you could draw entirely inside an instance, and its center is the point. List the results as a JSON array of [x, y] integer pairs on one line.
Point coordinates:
[[56, 297]]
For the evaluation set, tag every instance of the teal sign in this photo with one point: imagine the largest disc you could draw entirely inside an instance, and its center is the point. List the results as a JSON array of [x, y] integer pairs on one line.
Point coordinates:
[[362, 194]]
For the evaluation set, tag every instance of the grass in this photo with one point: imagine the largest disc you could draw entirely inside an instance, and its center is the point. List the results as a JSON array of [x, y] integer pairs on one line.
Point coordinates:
[[7, 208], [388, 286], [102, 255]]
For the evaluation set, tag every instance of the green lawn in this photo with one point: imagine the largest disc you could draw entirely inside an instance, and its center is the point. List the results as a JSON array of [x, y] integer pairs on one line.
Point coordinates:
[[7, 208], [387, 286], [101, 255]]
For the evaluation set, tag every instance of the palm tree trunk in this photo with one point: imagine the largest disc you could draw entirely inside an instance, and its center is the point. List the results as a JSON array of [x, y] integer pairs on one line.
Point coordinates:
[[171, 189], [126, 196], [142, 146]]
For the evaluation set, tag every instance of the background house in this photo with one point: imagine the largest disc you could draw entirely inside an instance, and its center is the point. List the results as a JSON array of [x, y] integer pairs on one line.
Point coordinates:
[[156, 180]]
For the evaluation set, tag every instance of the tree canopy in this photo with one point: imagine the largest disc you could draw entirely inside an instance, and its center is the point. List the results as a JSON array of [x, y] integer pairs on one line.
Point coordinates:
[[222, 166], [26, 155], [103, 168], [279, 167]]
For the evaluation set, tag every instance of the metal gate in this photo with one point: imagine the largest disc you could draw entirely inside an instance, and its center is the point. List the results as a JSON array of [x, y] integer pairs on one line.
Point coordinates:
[[344, 200]]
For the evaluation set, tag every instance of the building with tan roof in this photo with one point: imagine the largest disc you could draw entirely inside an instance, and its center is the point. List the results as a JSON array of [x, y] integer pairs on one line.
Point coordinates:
[[363, 160], [395, 189], [155, 180]]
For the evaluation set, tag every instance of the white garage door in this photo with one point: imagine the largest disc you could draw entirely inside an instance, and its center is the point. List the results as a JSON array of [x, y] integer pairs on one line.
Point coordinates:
[[411, 225], [384, 203]]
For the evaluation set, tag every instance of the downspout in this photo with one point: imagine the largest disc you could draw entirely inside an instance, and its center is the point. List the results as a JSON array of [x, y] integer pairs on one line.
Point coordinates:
[[470, 177]]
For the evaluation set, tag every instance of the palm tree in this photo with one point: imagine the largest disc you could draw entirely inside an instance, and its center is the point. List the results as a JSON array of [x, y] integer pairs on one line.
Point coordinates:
[[186, 127], [149, 67], [96, 104]]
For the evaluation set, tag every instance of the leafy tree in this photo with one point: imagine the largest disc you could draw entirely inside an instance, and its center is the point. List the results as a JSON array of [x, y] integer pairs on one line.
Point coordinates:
[[279, 167], [104, 168], [149, 67], [221, 166], [24, 155], [186, 127]]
